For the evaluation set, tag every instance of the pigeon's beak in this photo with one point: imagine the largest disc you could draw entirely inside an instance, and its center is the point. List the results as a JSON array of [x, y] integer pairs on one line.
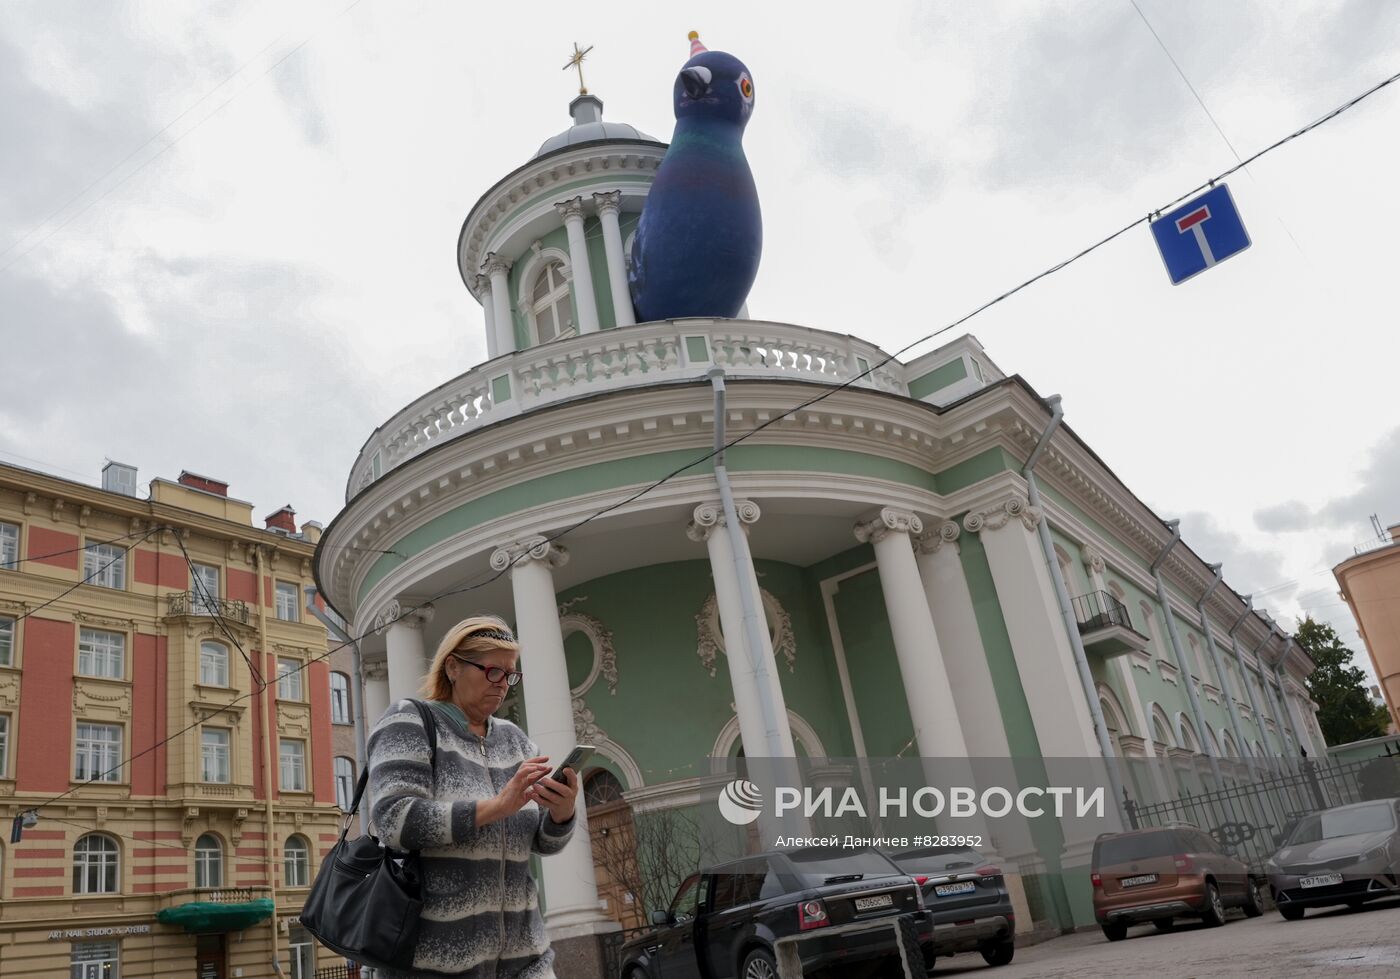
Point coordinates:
[[696, 81]]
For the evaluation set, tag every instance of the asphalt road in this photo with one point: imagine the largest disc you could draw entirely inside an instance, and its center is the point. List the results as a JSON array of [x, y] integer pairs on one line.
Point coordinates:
[[1337, 942]]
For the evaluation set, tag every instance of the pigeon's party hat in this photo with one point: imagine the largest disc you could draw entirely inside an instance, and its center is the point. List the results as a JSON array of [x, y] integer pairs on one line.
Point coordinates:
[[695, 46]]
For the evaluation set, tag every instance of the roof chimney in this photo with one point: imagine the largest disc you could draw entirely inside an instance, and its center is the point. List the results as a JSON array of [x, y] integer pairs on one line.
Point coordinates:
[[283, 519], [202, 483]]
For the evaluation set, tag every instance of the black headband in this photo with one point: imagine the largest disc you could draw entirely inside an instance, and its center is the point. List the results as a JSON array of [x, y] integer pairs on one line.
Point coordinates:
[[502, 635]]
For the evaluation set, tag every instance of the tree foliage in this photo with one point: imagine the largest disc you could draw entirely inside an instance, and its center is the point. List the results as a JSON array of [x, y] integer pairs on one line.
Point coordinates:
[[1345, 711]]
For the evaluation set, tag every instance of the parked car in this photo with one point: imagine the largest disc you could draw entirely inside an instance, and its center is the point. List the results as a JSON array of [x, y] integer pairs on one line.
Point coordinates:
[[1345, 855], [728, 920], [1162, 873], [968, 903]]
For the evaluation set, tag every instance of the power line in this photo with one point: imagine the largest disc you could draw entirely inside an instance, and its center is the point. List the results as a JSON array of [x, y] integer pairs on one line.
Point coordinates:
[[70, 550], [68, 591], [211, 603]]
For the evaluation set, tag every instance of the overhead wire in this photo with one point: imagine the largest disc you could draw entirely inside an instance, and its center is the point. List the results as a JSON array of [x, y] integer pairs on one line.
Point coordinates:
[[69, 550], [211, 604], [83, 581]]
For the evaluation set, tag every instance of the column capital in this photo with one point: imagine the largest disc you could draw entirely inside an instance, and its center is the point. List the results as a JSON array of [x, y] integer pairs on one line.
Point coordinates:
[[375, 671], [571, 209], [495, 265], [537, 548], [708, 516], [1001, 514], [414, 615], [932, 539], [1092, 558], [886, 521], [482, 283], [608, 201]]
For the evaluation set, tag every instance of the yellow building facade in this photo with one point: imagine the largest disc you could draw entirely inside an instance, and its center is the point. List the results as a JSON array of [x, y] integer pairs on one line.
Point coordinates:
[[165, 733], [1370, 585]]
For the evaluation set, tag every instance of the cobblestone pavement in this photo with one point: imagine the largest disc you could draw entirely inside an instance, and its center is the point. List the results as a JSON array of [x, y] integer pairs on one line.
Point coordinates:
[[1338, 943]]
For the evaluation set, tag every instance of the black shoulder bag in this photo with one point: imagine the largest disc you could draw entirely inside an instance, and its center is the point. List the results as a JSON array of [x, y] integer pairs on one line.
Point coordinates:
[[365, 901]]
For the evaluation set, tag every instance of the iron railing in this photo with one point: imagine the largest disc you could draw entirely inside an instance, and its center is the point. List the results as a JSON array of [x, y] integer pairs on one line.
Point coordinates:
[[338, 972], [1099, 609], [196, 603], [1250, 819]]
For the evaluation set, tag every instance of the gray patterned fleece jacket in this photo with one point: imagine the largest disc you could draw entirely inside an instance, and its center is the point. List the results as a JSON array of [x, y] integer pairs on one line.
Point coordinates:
[[480, 917]]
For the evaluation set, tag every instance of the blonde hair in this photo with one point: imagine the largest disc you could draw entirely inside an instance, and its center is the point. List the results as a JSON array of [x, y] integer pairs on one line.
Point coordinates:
[[469, 639]]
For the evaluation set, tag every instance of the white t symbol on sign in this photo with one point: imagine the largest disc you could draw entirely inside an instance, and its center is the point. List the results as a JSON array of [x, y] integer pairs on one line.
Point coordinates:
[[1193, 222]]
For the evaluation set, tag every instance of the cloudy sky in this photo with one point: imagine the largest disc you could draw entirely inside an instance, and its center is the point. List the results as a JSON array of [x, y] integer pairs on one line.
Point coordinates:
[[227, 229]]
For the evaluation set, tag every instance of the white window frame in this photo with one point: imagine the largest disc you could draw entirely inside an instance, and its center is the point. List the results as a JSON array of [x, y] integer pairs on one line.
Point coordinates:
[[289, 673], [95, 960], [91, 868], [9, 629], [340, 699], [9, 545], [555, 298], [204, 578], [215, 755], [96, 753], [344, 782], [104, 565], [208, 863], [291, 764], [102, 654], [4, 744], [296, 870], [213, 669], [302, 953], [284, 597]]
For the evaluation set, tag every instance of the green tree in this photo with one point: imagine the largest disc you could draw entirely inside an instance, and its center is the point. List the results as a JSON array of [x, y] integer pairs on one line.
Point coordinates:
[[1345, 711]]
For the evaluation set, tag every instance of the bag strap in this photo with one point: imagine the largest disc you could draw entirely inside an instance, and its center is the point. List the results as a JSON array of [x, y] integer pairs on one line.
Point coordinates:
[[430, 729]]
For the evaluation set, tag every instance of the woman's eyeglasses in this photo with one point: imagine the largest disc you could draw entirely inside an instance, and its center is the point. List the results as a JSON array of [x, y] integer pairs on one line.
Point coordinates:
[[495, 674]]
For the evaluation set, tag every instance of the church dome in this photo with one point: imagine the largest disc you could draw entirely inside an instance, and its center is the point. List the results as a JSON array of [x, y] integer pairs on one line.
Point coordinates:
[[589, 127]]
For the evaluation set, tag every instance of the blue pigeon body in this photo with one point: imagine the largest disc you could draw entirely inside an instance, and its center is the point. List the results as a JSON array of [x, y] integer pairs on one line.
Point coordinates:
[[700, 235]]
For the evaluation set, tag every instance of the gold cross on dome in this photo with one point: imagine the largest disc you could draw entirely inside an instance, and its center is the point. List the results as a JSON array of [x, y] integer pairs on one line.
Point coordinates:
[[576, 61]]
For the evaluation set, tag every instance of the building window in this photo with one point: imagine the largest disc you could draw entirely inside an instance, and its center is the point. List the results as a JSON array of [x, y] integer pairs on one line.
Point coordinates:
[[214, 754], [9, 545], [95, 960], [287, 602], [213, 664], [550, 311], [104, 565], [296, 862], [302, 952], [288, 679], [340, 698], [4, 744], [98, 756], [95, 865], [204, 589], [344, 782], [101, 653], [208, 861], [7, 641], [292, 755]]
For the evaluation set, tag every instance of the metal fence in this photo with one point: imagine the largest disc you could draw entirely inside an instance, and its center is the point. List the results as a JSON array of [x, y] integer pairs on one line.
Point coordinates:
[[1098, 610], [1251, 818], [338, 972]]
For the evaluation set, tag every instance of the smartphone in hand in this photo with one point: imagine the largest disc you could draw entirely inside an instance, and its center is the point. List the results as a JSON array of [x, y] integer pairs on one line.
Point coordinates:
[[576, 760]]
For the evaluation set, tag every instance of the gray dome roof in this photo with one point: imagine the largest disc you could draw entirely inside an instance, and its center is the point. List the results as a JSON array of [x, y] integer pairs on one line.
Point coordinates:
[[587, 113]]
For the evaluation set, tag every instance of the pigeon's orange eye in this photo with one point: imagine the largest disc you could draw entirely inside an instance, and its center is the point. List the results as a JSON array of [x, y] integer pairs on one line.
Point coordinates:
[[746, 87]]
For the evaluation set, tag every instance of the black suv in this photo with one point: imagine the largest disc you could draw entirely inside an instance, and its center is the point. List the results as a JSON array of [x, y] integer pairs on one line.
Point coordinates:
[[968, 903], [730, 921]]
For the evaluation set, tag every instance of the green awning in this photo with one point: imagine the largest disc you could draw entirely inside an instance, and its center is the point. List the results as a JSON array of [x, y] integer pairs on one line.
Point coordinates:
[[206, 917]]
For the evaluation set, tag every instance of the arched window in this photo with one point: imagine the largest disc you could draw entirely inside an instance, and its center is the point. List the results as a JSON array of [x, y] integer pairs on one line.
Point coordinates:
[[344, 782], [296, 862], [208, 861], [1149, 622], [213, 664], [1198, 660], [95, 865], [601, 788], [551, 314], [340, 698]]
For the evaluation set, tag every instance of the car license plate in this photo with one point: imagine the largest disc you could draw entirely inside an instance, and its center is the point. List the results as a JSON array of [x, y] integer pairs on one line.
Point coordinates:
[[947, 890], [1139, 880], [871, 903], [1320, 880]]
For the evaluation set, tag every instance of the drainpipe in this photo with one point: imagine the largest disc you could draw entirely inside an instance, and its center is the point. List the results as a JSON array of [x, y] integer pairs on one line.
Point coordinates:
[[268, 706], [1283, 692], [1244, 671], [1224, 677], [357, 699], [1156, 569], [1284, 727], [1076, 642], [743, 561]]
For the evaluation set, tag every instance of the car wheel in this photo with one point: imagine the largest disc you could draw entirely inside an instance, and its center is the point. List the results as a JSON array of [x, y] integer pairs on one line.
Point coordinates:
[[999, 953], [1214, 914], [1115, 933], [1253, 904], [1164, 924], [1291, 912], [760, 964]]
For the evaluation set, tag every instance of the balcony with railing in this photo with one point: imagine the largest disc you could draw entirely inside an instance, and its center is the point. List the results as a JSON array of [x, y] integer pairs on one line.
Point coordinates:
[[186, 603], [1105, 627]]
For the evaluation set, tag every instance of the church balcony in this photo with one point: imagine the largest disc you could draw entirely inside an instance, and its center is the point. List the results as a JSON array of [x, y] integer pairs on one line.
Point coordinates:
[[1105, 626], [644, 355]]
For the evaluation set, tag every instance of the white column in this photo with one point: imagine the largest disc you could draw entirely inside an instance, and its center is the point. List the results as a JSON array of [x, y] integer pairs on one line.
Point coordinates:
[[609, 204], [932, 706], [408, 664], [488, 305], [376, 693], [572, 212], [497, 269], [570, 887], [760, 726]]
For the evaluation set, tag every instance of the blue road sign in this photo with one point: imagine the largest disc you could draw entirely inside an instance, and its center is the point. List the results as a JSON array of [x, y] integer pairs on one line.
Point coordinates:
[[1200, 233]]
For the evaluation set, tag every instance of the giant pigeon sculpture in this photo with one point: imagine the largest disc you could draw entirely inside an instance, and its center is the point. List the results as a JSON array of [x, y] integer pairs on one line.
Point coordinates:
[[700, 235]]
